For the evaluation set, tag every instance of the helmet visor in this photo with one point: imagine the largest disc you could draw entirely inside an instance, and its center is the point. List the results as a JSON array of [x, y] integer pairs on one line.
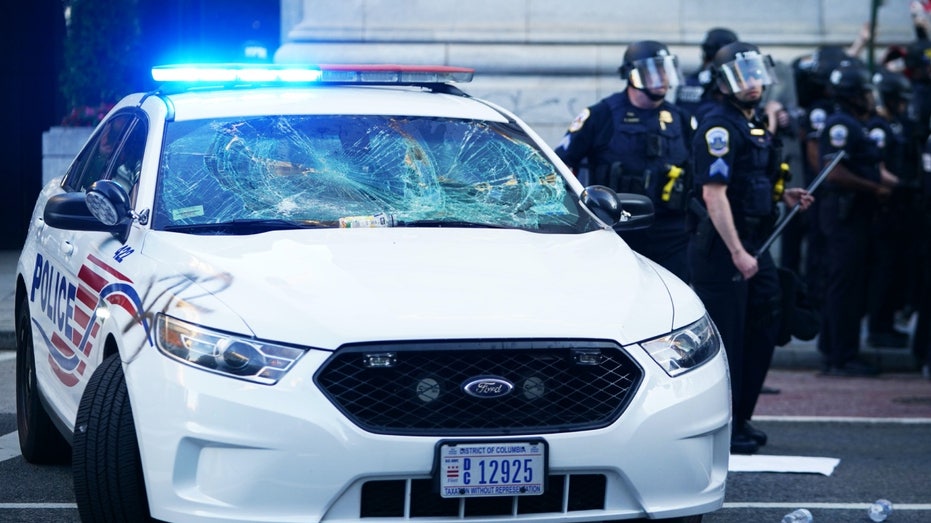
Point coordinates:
[[655, 72], [748, 71]]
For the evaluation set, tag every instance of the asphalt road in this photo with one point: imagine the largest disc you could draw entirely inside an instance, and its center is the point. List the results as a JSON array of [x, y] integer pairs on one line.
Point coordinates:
[[878, 429]]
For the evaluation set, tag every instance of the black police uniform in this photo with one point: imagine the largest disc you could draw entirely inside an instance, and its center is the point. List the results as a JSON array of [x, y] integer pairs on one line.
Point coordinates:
[[813, 269], [844, 217], [892, 232], [744, 155], [633, 150]]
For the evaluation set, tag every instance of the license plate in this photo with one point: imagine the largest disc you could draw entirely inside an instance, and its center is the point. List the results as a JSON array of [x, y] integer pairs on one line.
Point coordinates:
[[496, 468]]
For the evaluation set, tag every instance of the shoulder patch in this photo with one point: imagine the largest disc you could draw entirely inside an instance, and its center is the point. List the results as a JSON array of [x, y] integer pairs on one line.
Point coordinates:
[[718, 140], [579, 121], [816, 118], [838, 135], [878, 135]]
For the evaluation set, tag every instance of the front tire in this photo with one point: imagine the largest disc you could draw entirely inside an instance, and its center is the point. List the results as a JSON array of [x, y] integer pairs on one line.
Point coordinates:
[[39, 440], [107, 469]]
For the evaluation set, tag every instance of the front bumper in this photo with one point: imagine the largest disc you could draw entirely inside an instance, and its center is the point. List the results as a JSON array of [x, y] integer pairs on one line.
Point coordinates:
[[219, 449]]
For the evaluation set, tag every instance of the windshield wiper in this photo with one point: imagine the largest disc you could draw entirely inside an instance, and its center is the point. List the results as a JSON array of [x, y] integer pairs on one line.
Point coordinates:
[[449, 223], [244, 226]]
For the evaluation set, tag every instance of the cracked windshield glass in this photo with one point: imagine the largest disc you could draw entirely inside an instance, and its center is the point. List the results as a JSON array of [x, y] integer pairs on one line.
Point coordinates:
[[359, 171]]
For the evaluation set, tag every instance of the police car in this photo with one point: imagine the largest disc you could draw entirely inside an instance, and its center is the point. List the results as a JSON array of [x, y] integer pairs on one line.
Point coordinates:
[[332, 293]]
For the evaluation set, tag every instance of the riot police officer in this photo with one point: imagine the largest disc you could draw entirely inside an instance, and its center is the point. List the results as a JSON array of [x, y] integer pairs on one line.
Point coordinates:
[[811, 74], [635, 141], [892, 266], [853, 191], [737, 168], [698, 93]]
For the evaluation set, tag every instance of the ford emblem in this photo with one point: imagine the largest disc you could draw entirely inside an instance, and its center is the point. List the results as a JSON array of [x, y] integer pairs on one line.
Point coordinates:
[[488, 387]]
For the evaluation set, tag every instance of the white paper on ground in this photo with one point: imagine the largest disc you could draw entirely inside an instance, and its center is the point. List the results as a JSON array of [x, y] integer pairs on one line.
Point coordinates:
[[790, 464]]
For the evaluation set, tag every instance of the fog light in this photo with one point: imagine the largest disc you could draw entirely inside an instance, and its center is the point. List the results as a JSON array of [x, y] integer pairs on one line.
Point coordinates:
[[533, 388], [428, 390]]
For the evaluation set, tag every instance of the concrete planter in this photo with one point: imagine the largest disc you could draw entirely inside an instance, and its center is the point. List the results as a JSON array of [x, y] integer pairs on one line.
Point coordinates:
[[59, 147]]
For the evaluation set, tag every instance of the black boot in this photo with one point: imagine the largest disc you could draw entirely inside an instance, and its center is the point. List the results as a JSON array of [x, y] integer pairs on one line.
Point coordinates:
[[741, 443], [755, 434]]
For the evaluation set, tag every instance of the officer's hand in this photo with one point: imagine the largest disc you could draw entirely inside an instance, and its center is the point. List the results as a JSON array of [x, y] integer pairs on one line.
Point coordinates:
[[887, 178], [776, 115], [745, 263], [797, 195]]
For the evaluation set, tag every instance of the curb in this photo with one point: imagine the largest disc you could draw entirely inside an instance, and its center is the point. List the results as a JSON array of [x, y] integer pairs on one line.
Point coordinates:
[[801, 355]]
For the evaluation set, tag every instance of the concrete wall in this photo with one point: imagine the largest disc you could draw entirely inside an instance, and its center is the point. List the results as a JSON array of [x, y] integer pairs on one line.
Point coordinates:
[[548, 59], [59, 147]]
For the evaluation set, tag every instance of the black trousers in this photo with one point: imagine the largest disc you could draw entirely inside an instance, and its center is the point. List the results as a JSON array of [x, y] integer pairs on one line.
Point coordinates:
[[746, 313], [846, 251], [891, 268]]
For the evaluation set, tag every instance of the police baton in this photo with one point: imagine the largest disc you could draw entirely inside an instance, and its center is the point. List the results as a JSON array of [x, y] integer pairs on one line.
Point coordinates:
[[838, 156]]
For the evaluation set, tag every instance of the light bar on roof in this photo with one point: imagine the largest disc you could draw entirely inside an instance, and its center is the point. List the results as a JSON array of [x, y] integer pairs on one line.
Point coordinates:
[[328, 73], [234, 73]]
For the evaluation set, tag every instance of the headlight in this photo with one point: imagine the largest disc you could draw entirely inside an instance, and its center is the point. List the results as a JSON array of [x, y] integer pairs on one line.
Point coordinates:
[[227, 354], [682, 350]]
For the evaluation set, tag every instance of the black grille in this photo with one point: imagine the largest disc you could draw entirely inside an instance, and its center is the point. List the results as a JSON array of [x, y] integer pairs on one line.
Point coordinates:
[[386, 499], [559, 386]]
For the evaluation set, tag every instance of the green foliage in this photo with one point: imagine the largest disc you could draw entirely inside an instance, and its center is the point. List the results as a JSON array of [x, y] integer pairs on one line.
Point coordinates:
[[102, 52]]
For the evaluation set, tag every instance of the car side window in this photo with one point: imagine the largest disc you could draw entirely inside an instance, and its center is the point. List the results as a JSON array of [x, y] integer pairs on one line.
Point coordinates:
[[128, 161], [93, 162]]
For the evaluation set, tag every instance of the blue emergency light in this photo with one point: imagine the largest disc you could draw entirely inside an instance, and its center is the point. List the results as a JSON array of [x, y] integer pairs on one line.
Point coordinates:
[[323, 73]]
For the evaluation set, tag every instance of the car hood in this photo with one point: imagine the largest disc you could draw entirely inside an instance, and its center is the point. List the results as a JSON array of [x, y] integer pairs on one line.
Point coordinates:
[[324, 288]]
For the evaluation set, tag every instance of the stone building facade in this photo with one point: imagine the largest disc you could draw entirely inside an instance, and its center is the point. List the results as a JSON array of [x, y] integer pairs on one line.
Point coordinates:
[[548, 59]]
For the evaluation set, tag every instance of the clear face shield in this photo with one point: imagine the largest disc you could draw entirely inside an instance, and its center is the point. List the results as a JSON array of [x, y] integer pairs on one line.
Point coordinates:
[[655, 73], [747, 71]]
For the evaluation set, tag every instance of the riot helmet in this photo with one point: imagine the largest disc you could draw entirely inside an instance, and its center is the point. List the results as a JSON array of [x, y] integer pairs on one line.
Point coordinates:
[[893, 89], [715, 39], [852, 86], [824, 60], [649, 65], [811, 73], [740, 67]]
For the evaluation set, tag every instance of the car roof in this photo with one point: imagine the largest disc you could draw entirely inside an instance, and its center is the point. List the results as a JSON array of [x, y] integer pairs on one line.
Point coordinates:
[[327, 99]]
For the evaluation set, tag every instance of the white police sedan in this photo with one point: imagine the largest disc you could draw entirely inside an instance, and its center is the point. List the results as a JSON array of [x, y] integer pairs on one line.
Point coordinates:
[[293, 294]]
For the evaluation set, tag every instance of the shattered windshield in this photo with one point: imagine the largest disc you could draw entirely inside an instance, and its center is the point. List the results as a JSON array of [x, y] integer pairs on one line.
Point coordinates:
[[359, 171]]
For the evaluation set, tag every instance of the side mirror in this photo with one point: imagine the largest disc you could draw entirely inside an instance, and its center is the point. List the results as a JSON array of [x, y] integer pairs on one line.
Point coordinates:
[[603, 202], [637, 212], [105, 208], [108, 202], [623, 211]]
